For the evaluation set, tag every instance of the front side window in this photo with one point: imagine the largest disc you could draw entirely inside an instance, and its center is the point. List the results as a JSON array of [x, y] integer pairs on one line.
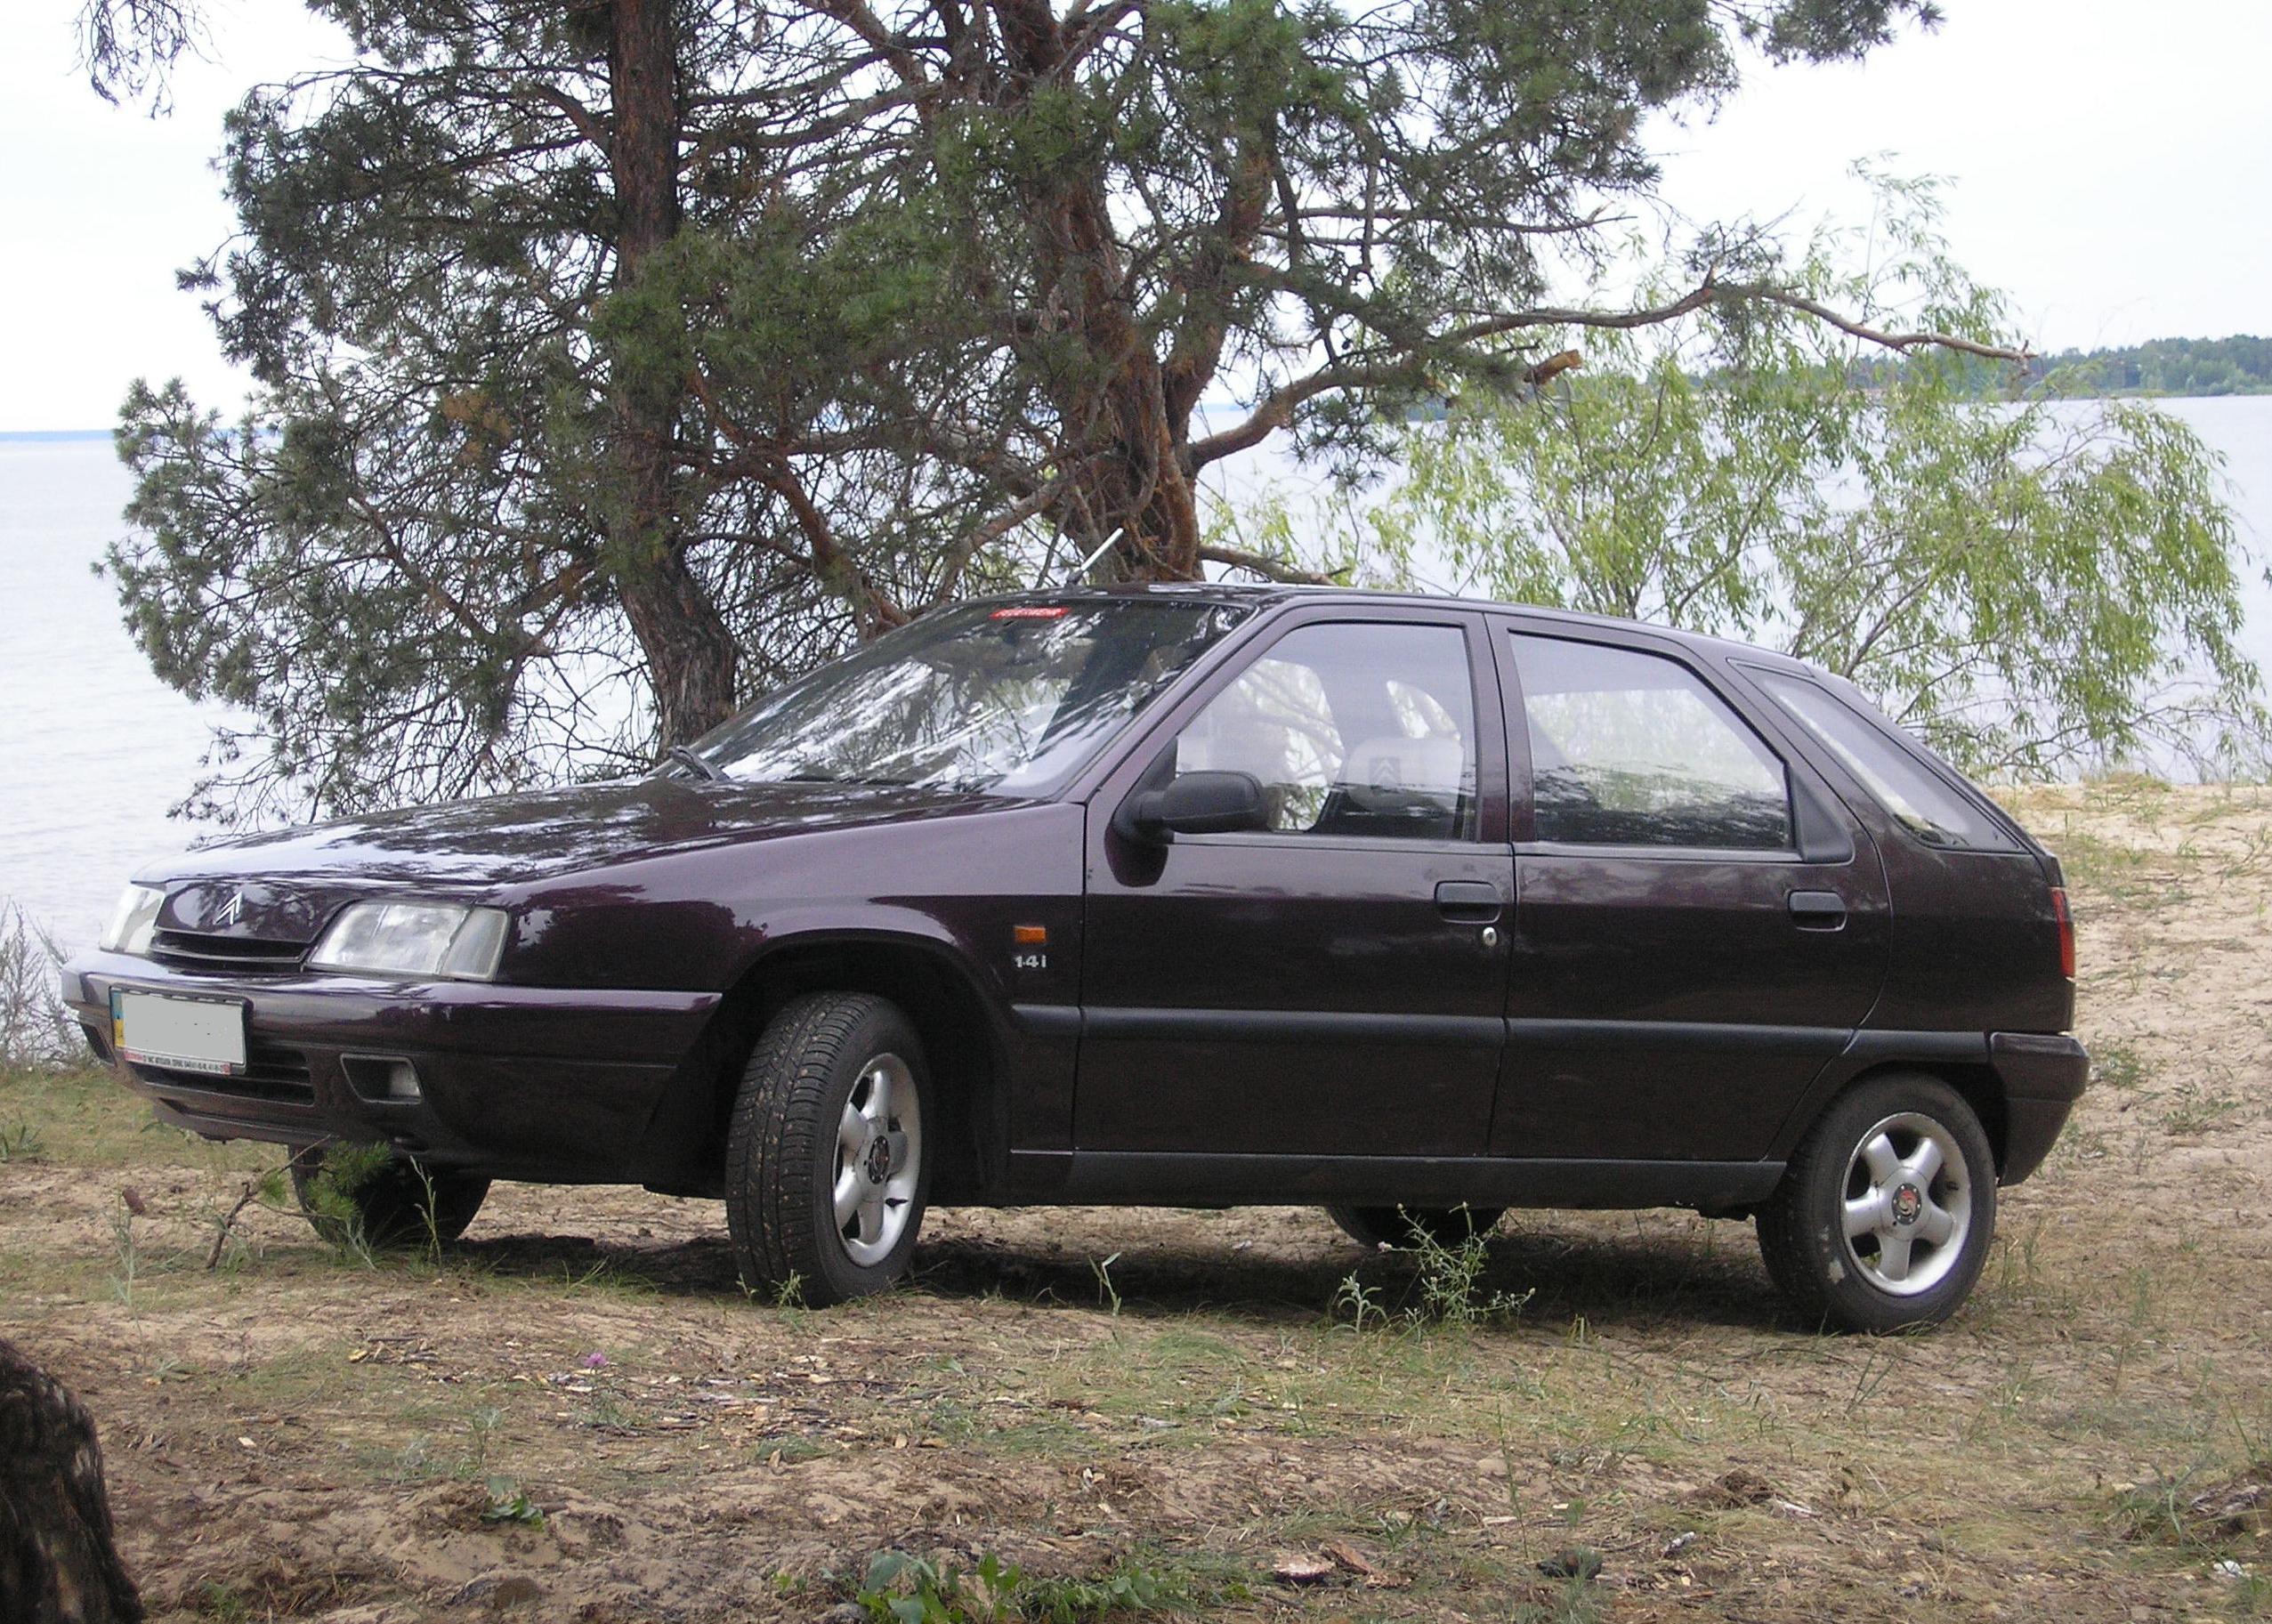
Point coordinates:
[[1632, 749], [1931, 810], [1006, 698], [1351, 729]]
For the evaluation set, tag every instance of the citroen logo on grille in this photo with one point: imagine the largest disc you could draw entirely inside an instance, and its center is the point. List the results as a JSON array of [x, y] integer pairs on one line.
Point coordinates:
[[232, 910]]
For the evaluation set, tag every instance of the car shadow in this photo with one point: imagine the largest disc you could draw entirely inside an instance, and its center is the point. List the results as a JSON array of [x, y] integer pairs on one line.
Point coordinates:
[[1530, 1276], [700, 1266], [1535, 1271]]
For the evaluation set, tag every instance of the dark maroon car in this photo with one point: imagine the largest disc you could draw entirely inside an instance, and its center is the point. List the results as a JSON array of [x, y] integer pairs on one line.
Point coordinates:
[[1415, 909]]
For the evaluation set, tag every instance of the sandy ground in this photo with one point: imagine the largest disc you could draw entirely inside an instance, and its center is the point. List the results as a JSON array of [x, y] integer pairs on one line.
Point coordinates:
[[576, 1414]]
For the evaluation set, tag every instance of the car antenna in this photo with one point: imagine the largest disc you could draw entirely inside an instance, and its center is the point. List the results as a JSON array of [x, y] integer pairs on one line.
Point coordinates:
[[1080, 571]]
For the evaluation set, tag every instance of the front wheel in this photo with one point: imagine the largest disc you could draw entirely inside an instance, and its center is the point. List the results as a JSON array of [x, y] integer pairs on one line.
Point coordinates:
[[1884, 1217], [826, 1172], [1405, 1226]]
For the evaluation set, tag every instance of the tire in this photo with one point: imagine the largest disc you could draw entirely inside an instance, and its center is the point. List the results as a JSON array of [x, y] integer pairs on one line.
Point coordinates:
[[1394, 1226], [350, 1198], [1922, 1207], [827, 1170]]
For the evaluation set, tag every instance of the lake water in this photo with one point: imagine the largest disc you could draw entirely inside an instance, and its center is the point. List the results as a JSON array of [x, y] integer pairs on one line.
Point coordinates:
[[94, 749]]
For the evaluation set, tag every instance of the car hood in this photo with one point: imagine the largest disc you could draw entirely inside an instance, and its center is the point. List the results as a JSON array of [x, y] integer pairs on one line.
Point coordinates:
[[504, 840]]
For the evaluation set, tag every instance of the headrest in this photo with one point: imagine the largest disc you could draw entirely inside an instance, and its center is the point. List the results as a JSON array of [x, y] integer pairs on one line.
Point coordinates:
[[1391, 772]]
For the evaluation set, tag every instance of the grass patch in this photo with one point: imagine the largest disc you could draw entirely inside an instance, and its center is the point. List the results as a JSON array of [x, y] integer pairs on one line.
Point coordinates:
[[88, 1118], [2117, 1065], [901, 1588], [2193, 1109], [2200, 1510]]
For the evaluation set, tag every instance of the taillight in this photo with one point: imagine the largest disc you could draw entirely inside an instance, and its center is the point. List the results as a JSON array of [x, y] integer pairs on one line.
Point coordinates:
[[2066, 932]]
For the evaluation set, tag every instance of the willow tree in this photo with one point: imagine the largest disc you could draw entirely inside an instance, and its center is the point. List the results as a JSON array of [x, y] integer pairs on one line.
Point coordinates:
[[618, 357], [2030, 581]]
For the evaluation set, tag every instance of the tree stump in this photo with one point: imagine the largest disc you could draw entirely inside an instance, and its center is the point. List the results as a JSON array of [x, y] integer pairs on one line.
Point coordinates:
[[57, 1561]]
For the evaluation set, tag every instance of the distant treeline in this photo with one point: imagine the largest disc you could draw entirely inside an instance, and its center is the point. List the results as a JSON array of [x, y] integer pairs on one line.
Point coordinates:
[[2241, 365]]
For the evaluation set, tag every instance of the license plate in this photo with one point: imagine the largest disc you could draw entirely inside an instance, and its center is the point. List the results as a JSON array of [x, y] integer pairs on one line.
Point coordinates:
[[178, 1032]]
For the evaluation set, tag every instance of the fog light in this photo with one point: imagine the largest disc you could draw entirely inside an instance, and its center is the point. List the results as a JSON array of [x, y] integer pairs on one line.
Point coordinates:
[[387, 1078]]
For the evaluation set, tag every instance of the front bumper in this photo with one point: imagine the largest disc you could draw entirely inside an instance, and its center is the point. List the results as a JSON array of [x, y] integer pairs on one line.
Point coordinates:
[[556, 1084]]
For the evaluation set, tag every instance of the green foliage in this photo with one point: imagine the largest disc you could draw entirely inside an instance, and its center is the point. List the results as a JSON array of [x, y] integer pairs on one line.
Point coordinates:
[[331, 1195], [1450, 1286], [2117, 1065], [555, 458], [221, 1600], [1447, 1289], [509, 1502], [900, 1589], [2239, 365], [2029, 584]]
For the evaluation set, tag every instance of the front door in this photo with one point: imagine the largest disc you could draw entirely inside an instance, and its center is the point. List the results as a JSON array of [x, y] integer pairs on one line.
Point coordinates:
[[1333, 985], [1702, 925]]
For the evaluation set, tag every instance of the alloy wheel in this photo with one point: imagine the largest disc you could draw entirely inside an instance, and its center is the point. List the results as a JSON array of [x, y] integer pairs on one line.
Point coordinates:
[[1908, 1207], [878, 1160]]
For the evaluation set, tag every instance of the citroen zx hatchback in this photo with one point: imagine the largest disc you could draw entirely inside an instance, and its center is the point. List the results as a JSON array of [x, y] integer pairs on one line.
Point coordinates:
[[1412, 909]]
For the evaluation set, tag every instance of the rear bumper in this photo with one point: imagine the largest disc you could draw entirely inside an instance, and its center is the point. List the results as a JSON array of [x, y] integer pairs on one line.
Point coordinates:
[[542, 1083], [2043, 1076]]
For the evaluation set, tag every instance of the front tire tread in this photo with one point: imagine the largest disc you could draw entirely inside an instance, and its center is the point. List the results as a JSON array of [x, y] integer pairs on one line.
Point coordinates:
[[783, 1115]]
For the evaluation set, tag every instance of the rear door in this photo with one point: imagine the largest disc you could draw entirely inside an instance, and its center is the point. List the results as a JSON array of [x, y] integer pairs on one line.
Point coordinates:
[[1333, 985], [1701, 926]]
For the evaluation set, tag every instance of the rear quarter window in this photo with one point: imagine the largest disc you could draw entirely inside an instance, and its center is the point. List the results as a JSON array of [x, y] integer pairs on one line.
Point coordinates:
[[1925, 803]]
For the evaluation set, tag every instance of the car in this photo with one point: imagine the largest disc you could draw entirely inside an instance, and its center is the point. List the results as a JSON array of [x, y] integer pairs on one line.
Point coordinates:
[[1415, 909]]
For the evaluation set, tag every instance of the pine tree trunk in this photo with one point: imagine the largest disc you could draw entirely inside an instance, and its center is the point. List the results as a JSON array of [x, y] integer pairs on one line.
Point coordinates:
[[1140, 484], [690, 655], [57, 1561]]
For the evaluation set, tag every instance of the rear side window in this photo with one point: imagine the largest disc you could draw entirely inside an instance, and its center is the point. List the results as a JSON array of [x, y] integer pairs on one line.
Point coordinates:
[[1929, 807], [1633, 749]]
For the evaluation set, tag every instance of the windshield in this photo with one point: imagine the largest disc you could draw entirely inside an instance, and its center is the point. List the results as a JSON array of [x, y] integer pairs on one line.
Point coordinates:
[[1010, 699]]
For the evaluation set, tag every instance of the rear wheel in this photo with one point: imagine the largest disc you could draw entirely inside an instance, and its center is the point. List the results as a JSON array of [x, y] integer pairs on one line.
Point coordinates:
[[1884, 1217], [1398, 1226], [827, 1176], [364, 1193]]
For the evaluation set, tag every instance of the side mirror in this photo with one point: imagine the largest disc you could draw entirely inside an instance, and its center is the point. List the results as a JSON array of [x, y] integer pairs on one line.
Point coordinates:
[[1196, 803]]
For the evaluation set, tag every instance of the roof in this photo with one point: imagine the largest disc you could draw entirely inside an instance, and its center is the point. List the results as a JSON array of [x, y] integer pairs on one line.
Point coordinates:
[[1266, 594]]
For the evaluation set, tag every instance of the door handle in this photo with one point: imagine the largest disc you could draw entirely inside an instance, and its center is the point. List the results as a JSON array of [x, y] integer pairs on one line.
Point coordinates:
[[1818, 910], [1468, 901]]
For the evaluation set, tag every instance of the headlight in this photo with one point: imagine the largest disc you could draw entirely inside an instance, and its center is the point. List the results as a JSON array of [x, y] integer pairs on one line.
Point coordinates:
[[133, 920], [446, 939]]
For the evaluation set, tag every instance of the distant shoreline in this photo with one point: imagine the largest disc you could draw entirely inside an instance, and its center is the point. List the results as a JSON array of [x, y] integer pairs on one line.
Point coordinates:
[[28, 437]]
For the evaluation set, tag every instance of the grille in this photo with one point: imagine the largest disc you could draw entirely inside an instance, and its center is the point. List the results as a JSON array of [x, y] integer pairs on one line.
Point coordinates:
[[242, 955], [271, 1072]]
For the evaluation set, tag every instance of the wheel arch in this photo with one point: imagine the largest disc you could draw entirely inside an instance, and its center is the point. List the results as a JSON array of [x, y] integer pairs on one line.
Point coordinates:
[[1975, 1082], [963, 1050]]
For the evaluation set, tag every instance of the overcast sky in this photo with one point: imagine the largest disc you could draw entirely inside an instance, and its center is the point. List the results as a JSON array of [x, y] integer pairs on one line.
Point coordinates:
[[2111, 161]]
